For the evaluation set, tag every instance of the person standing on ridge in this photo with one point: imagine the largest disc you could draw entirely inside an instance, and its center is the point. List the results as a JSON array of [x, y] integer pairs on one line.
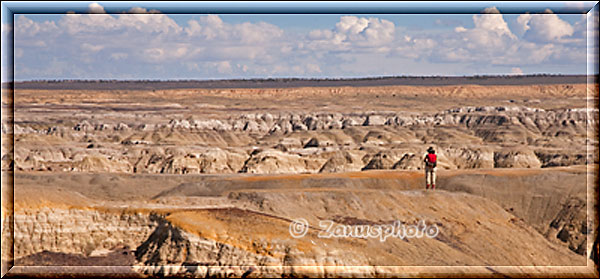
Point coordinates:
[[430, 167]]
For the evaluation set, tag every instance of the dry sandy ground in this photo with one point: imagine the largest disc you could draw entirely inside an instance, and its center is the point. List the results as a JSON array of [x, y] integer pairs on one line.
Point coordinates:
[[486, 217]]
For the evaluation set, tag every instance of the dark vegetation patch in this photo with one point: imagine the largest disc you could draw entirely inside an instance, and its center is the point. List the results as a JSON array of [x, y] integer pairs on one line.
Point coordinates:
[[538, 79]]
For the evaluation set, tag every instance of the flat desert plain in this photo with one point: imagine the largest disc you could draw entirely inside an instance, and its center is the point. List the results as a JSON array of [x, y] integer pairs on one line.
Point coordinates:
[[193, 182]]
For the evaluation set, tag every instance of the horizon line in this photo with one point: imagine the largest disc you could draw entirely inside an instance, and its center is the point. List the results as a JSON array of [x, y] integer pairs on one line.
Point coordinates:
[[508, 75]]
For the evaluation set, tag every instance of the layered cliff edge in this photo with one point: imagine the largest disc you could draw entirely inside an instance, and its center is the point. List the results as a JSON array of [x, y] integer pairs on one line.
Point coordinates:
[[241, 227]]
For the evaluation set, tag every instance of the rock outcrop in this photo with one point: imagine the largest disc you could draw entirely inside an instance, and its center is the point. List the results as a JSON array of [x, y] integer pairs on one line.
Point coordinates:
[[516, 159], [467, 137]]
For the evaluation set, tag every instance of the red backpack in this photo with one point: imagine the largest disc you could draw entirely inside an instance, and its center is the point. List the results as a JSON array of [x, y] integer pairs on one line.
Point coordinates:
[[431, 160]]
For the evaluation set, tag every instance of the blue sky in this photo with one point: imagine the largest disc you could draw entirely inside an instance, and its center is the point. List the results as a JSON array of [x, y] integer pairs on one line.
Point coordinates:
[[149, 45]]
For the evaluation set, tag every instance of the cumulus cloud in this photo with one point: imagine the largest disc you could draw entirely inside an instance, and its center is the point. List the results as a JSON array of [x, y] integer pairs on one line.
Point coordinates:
[[142, 41], [546, 27], [352, 31], [490, 31], [96, 8], [489, 41], [492, 42], [372, 31], [77, 24], [158, 39], [492, 21], [212, 27], [25, 27], [156, 23]]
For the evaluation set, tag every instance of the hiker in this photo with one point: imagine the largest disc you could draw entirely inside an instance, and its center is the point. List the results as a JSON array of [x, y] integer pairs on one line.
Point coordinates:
[[430, 166]]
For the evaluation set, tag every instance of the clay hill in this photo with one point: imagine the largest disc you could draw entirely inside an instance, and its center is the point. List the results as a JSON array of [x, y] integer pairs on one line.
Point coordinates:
[[197, 225], [192, 182]]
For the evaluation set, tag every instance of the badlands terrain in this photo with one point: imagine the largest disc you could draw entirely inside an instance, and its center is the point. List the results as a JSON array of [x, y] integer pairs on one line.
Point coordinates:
[[198, 182]]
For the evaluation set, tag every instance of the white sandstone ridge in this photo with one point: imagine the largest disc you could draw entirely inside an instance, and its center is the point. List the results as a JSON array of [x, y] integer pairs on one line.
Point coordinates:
[[214, 160], [79, 231], [495, 109], [267, 123], [469, 137], [531, 118]]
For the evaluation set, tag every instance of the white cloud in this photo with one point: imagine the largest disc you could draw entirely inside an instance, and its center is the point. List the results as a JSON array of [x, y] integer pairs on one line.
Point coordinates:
[[522, 23], [143, 42], [157, 38], [91, 48], [252, 33], [212, 27], [25, 27], [78, 24], [490, 31], [544, 27], [489, 40], [492, 21], [460, 29], [352, 31], [516, 71], [492, 42], [96, 8], [157, 23]]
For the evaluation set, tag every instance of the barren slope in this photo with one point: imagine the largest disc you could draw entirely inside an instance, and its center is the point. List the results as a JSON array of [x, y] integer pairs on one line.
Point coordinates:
[[195, 227]]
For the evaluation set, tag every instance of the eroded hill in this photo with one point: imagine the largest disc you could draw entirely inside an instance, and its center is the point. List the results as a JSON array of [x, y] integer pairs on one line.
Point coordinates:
[[197, 226], [302, 130], [205, 182]]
